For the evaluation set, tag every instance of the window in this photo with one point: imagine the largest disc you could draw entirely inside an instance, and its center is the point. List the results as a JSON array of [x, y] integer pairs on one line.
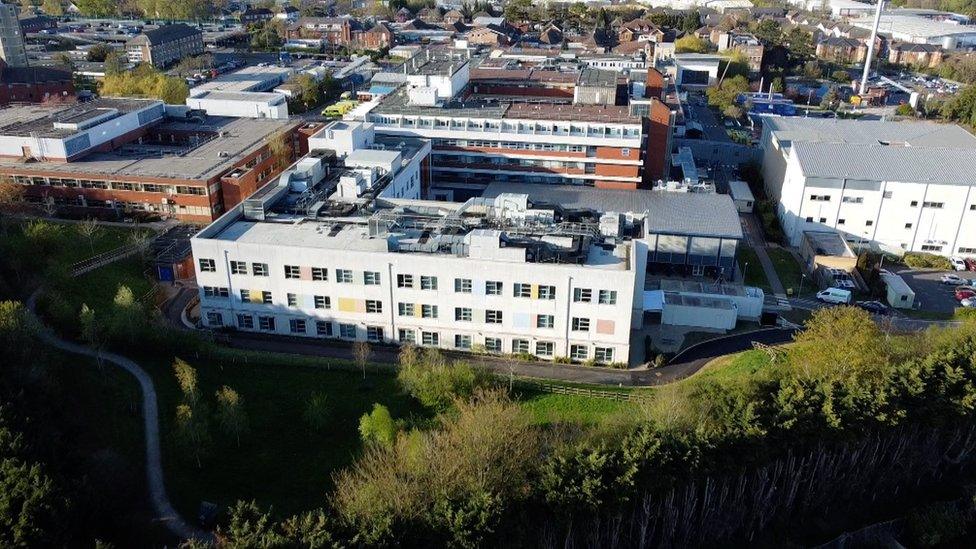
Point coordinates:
[[493, 317], [520, 346], [320, 274], [374, 333], [547, 292], [544, 348], [544, 321], [407, 336], [887, 194], [462, 285], [908, 225], [820, 198], [215, 291], [972, 207], [343, 276], [245, 322], [266, 323], [371, 278], [936, 205], [608, 297], [462, 341], [809, 220], [931, 248], [266, 298], [259, 269], [215, 319], [823, 219], [208, 266], [462, 314], [578, 352], [322, 302], [581, 324], [493, 287], [428, 311], [868, 223], [296, 325], [245, 295], [522, 290], [428, 282], [374, 306], [238, 268], [493, 344], [347, 331], [404, 281], [914, 203], [405, 309], [430, 338], [293, 271], [841, 221], [323, 328], [603, 354], [582, 295], [964, 250], [853, 200], [292, 300]]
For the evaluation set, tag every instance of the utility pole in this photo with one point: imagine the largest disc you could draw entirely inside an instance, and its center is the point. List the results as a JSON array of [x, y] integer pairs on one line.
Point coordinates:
[[867, 61]]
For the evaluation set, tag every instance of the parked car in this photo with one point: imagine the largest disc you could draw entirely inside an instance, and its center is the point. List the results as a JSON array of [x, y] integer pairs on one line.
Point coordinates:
[[836, 296], [873, 307], [965, 293], [953, 279], [957, 263], [968, 302], [970, 264]]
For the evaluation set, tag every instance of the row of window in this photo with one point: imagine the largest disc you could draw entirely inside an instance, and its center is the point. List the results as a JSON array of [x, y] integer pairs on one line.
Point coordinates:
[[887, 194], [512, 145], [72, 183], [529, 127], [300, 326]]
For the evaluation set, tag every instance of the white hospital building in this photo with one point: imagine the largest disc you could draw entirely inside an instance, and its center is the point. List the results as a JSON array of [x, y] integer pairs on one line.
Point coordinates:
[[896, 186], [343, 247]]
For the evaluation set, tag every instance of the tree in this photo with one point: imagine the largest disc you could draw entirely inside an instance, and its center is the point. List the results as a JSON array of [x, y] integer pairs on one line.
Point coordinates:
[[769, 32], [691, 22], [722, 95], [830, 99], [799, 44], [690, 44], [11, 199], [429, 378], [733, 111], [961, 107], [30, 505], [361, 353], [811, 69], [905, 110], [186, 377], [840, 76], [114, 63], [90, 329], [97, 8], [517, 11], [192, 432], [856, 345], [777, 85], [52, 7], [377, 427], [318, 411], [64, 61], [280, 147], [230, 413], [89, 229], [99, 52]]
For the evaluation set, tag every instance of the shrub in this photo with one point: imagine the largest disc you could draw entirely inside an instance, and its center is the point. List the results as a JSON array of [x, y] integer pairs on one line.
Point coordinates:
[[619, 365], [923, 260], [429, 378], [562, 360], [936, 525], [964, 313]]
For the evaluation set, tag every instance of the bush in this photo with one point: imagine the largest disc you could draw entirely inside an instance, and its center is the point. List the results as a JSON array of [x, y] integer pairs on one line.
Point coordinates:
[[936, 525], [905, 110], [964, 313], [429, 378], [562, 360], [923, 260]]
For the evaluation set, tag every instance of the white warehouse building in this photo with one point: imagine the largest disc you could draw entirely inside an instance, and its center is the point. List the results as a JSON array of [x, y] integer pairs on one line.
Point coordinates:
[[896, 186]]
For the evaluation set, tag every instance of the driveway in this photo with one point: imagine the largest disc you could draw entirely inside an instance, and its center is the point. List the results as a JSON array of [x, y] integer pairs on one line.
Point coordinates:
[[930, 294]]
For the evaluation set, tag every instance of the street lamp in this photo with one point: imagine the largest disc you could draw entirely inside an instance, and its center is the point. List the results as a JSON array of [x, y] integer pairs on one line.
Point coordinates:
[[800, 291]]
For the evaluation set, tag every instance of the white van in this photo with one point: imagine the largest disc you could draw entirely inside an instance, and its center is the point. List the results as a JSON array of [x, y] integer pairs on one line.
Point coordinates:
[[836, 296]]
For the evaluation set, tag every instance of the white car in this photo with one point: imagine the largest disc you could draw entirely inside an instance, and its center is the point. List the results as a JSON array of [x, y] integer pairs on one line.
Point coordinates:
[[953, 279], [968, 302], [957, 263]]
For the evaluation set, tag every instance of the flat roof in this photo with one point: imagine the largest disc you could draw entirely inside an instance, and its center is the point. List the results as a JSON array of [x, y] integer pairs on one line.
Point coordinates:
[[740, 190], [262, 97], [870, 132], [243, 80], [677, 213], [939, 165], [241, 136], [828, 243], [913, 24], [39, 120]]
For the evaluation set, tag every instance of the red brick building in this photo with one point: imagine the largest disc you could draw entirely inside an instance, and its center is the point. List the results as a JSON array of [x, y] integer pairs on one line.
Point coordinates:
[[34, 85]]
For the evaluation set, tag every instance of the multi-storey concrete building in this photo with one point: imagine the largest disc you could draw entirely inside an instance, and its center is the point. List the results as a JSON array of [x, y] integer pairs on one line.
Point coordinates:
[[897, 186], [12, 49], [165, 45], [136, 155], [528, 126], [327, 254]]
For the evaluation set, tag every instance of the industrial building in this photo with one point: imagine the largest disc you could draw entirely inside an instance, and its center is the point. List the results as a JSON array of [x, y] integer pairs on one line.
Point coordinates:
[[894, 186], [526, 126], [123, 156], [552, 271], [922, 26]]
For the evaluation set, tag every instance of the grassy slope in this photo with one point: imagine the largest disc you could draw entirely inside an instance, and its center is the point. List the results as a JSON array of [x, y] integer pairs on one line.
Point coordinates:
[[754, 274]]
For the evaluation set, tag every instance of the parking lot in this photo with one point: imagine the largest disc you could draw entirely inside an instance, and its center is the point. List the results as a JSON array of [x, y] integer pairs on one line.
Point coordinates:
[[930, 294]]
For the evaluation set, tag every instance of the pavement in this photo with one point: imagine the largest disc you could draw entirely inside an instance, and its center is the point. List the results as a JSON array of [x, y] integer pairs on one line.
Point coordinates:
[[754, 238]]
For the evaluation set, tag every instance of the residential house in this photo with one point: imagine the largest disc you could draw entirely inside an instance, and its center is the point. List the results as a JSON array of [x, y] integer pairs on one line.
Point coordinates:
[[846, 51], [253, 15], [165, 45], [289, 14], [915, 55]]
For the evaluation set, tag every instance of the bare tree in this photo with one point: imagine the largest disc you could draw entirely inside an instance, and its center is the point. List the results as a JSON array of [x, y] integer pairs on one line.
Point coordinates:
[[89, 228], [361, 352]]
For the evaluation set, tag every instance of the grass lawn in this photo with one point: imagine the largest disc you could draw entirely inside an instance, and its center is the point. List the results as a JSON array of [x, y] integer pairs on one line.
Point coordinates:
[[76, 246], [735, 366], [789, 271], [549, 408], [754, 274]]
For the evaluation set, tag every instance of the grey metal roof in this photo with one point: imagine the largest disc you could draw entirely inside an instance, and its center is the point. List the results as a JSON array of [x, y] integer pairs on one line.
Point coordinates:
[[901, 163], [870, 132], [167, 33], [699, 214]]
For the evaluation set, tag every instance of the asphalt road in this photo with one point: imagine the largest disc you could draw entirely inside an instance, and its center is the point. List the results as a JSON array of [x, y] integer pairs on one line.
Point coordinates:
[[930, 293]]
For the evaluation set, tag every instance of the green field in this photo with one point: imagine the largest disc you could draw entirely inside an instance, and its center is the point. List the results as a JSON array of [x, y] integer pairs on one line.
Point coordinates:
[[789, 271], [754, 274]]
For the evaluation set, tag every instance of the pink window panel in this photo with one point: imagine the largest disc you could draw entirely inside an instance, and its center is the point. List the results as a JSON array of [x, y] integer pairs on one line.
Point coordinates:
[[604, 326], [306, 273]]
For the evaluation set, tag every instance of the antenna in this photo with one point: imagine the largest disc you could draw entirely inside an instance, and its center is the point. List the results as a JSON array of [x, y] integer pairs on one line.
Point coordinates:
[[868, 59]]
